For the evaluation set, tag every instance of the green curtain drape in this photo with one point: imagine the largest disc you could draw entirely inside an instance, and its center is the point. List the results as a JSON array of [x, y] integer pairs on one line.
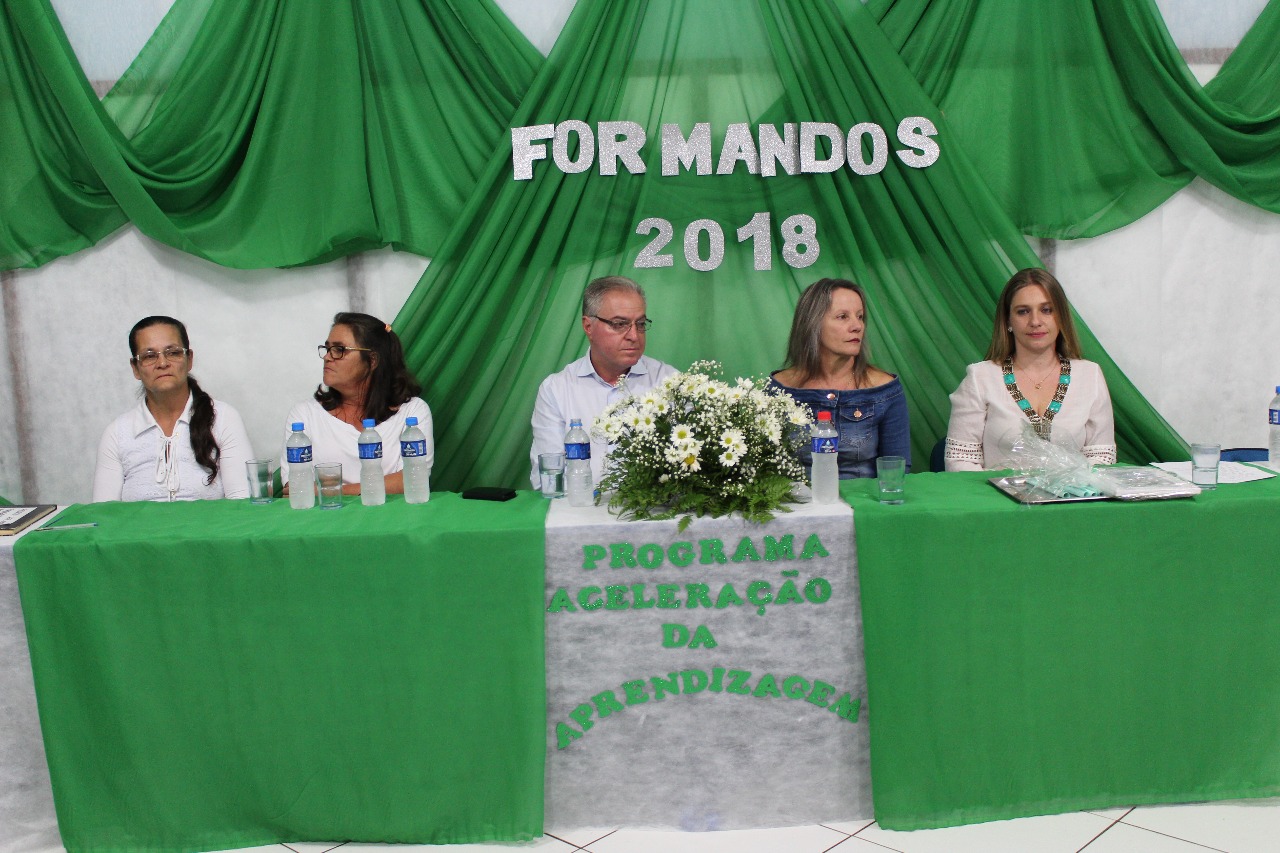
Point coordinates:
[[257, 134], [373, 120], [1082, 116], [498, 309]]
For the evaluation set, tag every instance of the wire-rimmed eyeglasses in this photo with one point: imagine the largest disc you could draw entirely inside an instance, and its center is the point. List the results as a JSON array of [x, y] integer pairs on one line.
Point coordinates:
[[150, 356]]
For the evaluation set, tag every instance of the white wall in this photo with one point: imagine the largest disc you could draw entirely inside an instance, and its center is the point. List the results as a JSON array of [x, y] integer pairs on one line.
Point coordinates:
[[1182, 299], [1185, 302]]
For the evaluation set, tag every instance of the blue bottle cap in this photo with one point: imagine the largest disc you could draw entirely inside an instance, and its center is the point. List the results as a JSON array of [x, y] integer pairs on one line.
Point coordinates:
[[368, 423], [410, 421], [297, 426]]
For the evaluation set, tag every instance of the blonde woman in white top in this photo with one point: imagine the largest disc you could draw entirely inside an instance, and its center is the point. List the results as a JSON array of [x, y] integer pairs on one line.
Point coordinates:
[[1033, 374], [178, 443]]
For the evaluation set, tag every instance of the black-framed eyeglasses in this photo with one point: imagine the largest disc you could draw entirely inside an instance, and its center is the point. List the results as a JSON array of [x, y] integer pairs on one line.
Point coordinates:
[[338, 351], [150, 356], [621, 326]]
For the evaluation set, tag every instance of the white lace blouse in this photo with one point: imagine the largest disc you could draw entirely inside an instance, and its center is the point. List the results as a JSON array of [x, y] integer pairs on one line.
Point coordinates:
[[983, 410]]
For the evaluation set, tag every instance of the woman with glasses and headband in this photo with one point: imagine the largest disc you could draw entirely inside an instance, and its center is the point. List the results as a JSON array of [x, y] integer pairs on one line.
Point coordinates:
[[178, 443], [364, 377], [829, 369]]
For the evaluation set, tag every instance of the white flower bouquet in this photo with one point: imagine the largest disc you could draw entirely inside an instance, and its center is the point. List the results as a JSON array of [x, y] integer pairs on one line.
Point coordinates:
[[696, 445]]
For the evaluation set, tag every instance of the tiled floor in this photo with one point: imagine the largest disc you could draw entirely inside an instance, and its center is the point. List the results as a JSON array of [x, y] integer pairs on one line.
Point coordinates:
[[1242, 826]]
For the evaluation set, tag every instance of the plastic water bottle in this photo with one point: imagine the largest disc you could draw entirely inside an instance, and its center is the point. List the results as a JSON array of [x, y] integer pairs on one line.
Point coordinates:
[[577, 466], [824, 477], [417, 471], [373, 488], [1273, 455], [302, 475]]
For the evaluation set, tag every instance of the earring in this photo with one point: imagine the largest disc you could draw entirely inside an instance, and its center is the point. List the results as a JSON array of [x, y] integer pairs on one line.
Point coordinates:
[[1009, 328]]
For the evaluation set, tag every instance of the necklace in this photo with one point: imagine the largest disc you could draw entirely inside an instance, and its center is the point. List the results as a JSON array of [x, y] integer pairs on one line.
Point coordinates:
[[1043, 424], [1056, 370]]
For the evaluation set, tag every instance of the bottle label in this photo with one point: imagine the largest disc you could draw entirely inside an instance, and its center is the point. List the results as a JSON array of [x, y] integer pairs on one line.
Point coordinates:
[[1275, 417], [824, 444], [577, 451], [372, 450], [298, 454], [412, 449]]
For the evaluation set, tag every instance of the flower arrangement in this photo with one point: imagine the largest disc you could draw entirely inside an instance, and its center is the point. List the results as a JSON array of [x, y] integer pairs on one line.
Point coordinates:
[[696, 445]]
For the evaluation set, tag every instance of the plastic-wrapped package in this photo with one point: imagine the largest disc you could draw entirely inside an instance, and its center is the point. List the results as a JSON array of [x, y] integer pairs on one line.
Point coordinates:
[[1052, 468], [1067, 475]]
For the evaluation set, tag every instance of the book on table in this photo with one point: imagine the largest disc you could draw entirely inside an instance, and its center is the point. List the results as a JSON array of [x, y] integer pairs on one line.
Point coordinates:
[[15, 519]]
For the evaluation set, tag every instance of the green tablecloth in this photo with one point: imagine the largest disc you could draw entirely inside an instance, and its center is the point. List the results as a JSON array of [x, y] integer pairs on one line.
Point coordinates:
[[1027, 660], [223, 675]]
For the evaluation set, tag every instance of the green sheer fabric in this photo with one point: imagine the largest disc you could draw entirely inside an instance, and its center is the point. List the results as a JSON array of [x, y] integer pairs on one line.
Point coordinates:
[[498, 309], [1082, 116], [257, 134]]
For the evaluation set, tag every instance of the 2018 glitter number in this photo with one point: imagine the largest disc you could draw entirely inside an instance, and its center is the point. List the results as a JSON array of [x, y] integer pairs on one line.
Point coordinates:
[[799, 242]]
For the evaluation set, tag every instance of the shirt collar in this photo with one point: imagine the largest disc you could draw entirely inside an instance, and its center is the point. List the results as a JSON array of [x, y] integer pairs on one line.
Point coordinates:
[[585, 368], [143, 420]]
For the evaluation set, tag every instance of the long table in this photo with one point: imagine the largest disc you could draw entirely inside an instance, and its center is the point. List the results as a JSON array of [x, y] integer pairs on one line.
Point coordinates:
[[222, 675], [1037, 659], [1020, 660]]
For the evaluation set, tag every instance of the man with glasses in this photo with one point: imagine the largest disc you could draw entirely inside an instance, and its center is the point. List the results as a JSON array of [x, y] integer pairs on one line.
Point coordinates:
[[614, 368]]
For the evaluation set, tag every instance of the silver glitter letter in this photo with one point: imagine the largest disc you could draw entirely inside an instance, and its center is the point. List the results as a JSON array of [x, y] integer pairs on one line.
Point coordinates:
[[775, 150], [809, 133], [678, 151], [879, 148], [738, 145], [524, 152], [586, 146], [620, 140], [914, 132]]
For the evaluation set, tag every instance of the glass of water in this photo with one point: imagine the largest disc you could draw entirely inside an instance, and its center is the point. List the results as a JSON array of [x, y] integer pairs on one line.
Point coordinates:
[[551, 472], [1204, 465]]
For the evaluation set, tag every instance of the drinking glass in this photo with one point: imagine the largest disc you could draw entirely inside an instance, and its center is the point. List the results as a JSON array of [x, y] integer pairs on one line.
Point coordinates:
[[259, 471], [551, 471], [892, 472], [1204, 465], [329, 481]]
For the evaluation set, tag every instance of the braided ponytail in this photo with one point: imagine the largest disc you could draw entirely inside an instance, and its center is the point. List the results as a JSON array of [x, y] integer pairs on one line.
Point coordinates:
[[203, 444]]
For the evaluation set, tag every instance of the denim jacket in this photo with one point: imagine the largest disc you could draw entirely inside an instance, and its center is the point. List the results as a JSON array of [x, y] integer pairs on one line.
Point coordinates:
[[871, 421]]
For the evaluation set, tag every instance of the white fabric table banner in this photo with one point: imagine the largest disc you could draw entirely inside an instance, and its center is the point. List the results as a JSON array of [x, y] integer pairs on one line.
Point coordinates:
[[27, 820], [705, 679]]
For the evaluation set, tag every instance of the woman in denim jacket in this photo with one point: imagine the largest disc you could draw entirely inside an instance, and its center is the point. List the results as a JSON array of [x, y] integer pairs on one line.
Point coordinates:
[[828, 369]]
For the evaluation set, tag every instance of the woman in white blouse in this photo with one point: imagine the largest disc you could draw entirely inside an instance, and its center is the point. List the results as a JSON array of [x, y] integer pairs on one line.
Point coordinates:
[[1033, 374], [365, 376], [178, 443]]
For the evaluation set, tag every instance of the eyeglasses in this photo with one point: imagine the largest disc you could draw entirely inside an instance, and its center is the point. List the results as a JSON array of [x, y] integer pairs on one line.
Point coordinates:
[[150, 356], [621, 326], [338, 351]]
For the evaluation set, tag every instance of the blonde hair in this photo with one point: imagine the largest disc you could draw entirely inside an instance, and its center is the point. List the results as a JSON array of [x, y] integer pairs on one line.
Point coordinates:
[[1002, 342], [804, 348]]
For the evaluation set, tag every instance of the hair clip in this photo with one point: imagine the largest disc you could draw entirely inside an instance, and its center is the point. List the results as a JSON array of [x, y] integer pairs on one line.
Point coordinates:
[[387, 326]]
